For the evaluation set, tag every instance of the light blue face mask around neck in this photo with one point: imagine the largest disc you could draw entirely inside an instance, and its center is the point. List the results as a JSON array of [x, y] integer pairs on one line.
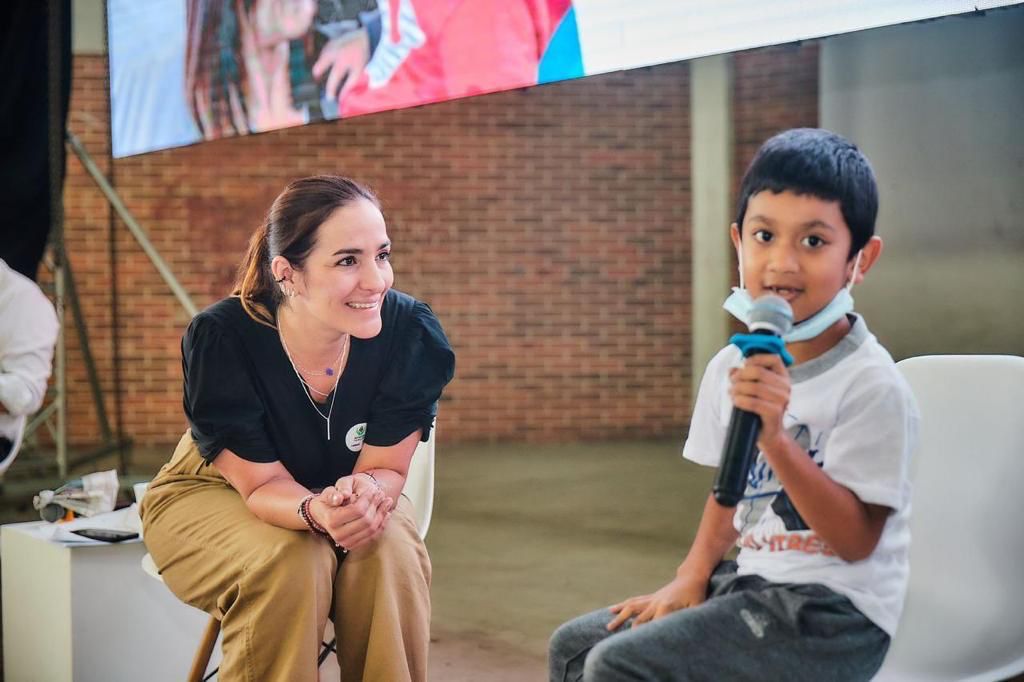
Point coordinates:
[[740, 302]]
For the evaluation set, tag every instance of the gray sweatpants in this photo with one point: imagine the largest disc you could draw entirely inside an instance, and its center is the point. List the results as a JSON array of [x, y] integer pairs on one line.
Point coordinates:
[[748, 629]]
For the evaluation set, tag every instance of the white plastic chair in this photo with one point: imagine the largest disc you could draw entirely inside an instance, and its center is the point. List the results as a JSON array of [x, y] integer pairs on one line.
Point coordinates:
[[419, 484], [419, 488], [964, 614]]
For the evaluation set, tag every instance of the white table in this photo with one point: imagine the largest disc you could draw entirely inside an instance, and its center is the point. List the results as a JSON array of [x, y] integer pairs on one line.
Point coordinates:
[[87, 613]]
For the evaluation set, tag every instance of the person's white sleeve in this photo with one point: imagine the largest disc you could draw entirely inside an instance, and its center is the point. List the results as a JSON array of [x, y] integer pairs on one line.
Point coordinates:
[[870, 447], [709, 422], [26, 357]]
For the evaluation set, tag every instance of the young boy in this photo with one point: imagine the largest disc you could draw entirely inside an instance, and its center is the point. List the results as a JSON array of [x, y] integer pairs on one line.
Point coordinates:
[[819, 582]]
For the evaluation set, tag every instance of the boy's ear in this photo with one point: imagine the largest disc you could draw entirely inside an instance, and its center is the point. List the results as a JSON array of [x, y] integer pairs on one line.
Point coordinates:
[[734, 235], [869, 256]]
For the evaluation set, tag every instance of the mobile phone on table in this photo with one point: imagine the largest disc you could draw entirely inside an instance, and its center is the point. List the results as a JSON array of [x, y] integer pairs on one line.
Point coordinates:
[[105, 534]]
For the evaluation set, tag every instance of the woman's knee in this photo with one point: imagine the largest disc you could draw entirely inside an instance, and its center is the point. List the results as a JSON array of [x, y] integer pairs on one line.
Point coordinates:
[[290, 571], [398, 541], [295, 553], [396, 555]]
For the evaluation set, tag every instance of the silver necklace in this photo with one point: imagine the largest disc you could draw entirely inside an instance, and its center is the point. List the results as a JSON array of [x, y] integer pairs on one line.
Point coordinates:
[[307, 389], [310, 388], [327, 372]]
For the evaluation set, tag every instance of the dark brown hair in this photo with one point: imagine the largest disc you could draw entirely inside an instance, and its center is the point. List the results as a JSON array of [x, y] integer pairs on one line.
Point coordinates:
[[821, 164], [290, 229]]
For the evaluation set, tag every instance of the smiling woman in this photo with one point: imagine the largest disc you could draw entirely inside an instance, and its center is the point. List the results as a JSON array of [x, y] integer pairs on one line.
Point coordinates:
[[306, 393]]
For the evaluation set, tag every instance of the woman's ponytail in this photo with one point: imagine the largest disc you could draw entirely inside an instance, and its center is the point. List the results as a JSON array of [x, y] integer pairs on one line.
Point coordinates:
[[254, 284]]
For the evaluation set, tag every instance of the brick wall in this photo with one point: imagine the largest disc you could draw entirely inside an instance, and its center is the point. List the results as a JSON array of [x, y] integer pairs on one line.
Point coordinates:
[[548, 228], [775, 88]]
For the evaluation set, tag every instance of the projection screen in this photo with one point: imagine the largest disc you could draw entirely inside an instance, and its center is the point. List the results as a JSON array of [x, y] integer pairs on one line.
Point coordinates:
[[184, 71]]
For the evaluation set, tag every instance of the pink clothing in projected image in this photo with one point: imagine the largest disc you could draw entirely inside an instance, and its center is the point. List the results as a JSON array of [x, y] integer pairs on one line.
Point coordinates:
[[434, 50]]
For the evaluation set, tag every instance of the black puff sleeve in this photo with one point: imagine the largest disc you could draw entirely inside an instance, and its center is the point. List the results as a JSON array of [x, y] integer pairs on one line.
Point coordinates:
[[221, 401], [421, 364]]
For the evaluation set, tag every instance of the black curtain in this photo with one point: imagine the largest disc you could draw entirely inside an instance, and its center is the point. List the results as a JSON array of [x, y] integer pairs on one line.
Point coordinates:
[[25, 213]]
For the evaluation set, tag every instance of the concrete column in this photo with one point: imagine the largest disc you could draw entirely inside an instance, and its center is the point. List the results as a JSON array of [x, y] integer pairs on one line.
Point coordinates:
[[711, 171], [88, 33]]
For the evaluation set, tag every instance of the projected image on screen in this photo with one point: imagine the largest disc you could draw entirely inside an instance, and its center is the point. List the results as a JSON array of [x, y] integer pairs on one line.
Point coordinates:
[[187, 70], [183, 71]]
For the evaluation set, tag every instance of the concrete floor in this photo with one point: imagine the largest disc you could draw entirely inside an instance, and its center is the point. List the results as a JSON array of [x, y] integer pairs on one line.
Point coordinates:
[[524, 537]]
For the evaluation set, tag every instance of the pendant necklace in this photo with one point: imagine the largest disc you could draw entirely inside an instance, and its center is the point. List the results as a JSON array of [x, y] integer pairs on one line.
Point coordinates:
[[329, 371]]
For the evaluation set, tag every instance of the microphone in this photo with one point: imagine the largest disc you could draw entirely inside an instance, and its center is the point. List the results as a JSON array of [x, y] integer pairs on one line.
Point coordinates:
[[770, 318]]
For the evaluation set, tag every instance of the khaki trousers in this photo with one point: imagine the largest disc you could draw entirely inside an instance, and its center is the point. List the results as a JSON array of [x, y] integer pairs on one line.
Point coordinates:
[[273, 589]]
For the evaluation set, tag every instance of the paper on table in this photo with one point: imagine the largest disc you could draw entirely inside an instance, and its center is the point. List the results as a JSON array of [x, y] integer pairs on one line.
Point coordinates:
[[126, 519], [89, 495]]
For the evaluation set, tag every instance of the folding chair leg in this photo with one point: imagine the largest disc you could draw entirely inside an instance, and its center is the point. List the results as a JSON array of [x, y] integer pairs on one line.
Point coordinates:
[[205, 650]]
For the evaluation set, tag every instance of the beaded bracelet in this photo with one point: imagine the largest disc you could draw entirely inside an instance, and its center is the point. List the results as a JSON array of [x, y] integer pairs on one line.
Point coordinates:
[[310, 522]]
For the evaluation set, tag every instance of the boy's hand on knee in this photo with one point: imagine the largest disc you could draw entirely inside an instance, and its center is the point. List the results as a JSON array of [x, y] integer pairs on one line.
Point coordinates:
[[762, 386], [625, 610], [681, 593]]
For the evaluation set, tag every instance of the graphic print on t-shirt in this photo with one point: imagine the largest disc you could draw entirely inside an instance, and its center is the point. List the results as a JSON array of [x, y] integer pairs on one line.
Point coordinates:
[[785, 510], [766, 509]]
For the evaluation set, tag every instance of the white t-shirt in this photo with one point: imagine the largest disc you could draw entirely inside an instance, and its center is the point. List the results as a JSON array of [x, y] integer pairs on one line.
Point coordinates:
[[852, 411], [28, 331]]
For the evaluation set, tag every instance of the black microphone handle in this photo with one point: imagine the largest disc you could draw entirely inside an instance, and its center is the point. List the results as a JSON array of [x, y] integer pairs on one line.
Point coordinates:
[[738, 453], [737, 456]]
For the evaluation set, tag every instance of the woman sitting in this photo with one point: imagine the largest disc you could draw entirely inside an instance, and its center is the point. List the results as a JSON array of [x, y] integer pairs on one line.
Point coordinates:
[[306, 392]]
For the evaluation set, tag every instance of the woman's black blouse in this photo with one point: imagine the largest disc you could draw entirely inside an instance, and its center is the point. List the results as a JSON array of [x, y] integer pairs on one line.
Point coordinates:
[[242, 394]]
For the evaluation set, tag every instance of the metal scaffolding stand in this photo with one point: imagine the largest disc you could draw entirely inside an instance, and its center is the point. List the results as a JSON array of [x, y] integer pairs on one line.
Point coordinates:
[[133, 226], [54, 415]]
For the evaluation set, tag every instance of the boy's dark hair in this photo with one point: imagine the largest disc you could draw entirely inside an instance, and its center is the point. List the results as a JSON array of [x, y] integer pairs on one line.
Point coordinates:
[[820, 163]]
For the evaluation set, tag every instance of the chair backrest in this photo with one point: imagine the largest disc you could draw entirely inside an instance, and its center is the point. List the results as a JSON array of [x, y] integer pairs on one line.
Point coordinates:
[[964, 614], [419, 484], [19, 434]]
